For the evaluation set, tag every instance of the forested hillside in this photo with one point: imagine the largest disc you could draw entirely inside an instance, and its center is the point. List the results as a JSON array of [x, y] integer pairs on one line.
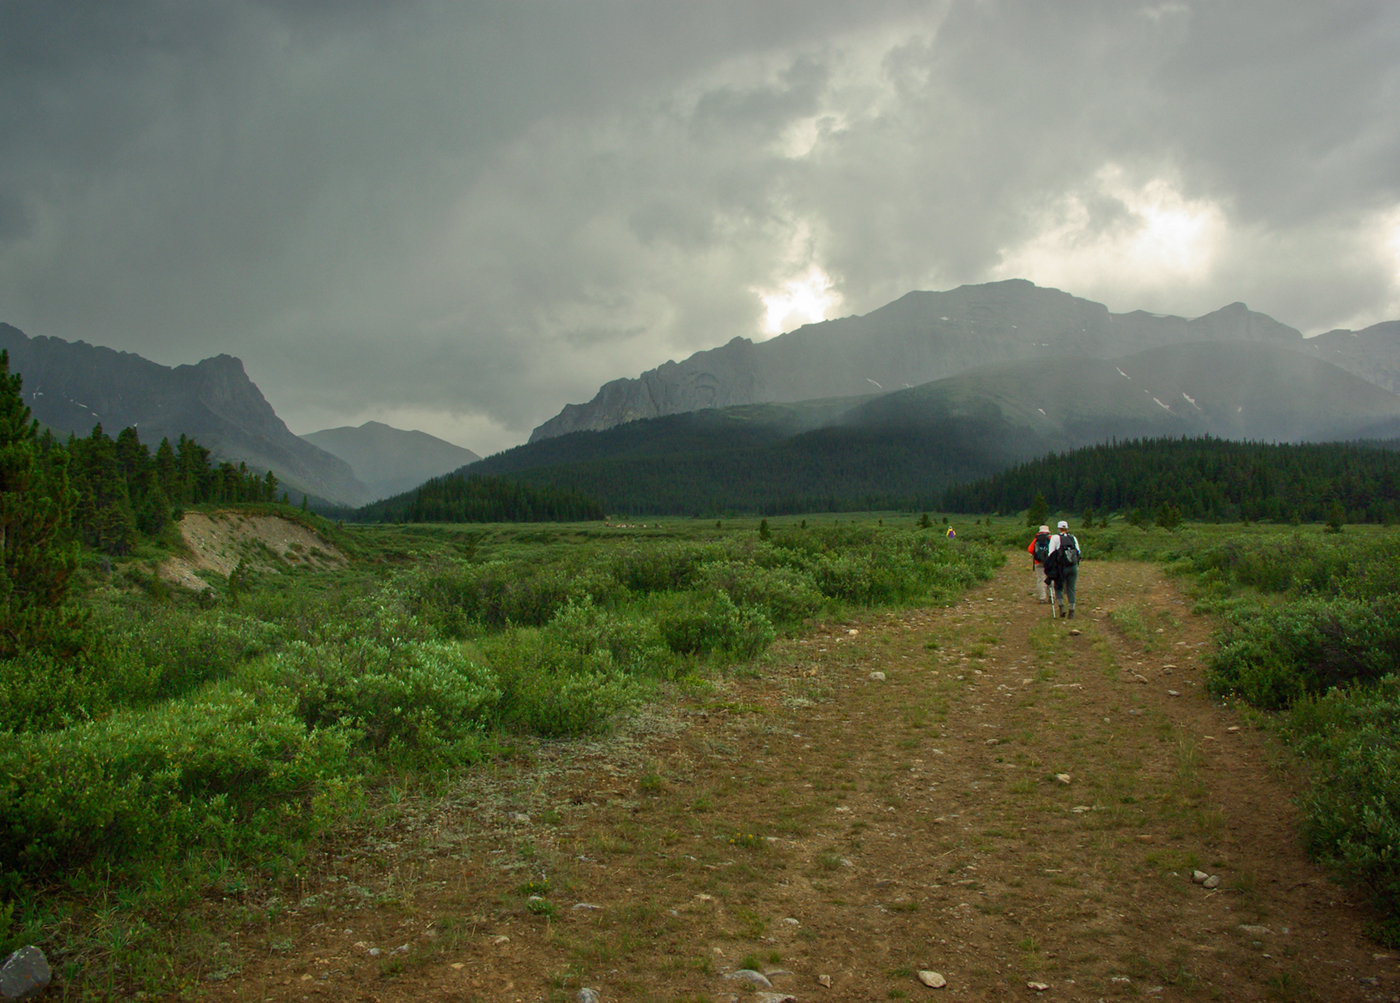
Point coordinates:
[[459, 498], [1202, 479]]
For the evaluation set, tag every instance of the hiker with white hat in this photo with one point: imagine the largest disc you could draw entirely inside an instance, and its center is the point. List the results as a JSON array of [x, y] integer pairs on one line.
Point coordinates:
[[1062, 568]]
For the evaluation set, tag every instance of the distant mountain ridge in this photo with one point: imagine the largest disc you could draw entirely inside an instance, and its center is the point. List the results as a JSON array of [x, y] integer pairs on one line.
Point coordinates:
[[388, 460], [1372, 353], [902, 449], [918, 338], [71, 386]]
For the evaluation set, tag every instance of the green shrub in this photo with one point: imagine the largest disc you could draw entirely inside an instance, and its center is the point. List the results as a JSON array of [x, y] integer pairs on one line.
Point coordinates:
[[711, 623], [634, 643], [785, 595], [662, 567], [426, 697], [504, 593], [219, 769], [1272, 656], [552, 689], [1351, 814]]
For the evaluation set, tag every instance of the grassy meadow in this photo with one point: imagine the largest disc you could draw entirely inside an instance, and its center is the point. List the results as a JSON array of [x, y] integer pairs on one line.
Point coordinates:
[[190, 754], [193, 749]]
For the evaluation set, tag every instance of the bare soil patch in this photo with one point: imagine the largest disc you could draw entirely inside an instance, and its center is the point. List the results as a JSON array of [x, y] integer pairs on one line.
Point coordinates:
[[814, 821], [217, 541]]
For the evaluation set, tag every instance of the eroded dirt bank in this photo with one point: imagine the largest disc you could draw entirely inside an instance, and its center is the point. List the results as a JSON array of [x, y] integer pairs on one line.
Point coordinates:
[[217, 541], [816, 821]]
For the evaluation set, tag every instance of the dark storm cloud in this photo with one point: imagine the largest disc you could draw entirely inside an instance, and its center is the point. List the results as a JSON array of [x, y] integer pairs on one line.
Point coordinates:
[[466, 215]]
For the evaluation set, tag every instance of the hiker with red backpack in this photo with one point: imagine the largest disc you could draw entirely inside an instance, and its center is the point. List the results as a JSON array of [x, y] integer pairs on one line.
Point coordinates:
[[1039, 549], [1062, 569]]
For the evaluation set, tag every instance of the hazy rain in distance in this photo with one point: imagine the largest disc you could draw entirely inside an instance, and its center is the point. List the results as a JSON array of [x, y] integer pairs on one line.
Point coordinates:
[[459, 217]]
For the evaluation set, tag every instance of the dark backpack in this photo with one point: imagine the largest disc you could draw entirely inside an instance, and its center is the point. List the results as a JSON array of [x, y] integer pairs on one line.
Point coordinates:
[[1069, 547], [1042, 546]]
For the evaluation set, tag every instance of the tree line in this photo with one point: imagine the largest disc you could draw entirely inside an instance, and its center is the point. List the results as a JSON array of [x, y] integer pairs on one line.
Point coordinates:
[[102, 492], [1204, 479], [471, 498]]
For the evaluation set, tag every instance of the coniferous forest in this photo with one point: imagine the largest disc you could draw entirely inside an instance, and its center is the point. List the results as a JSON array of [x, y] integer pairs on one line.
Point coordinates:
[[1206, 479], [459, 498]]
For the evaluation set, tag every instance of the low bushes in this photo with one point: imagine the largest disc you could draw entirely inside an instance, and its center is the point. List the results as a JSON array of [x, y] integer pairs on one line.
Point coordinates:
[[1351, 816], [1312, 629], [1274, 655], [224, 769], [239, 729]]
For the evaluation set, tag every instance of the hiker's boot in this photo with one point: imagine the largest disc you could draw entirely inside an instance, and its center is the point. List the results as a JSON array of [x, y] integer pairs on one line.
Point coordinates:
[[1071, 612]]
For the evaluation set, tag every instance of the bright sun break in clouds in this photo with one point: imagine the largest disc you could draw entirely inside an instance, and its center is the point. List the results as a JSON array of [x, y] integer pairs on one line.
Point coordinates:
[[799, 301], [1117, 236]]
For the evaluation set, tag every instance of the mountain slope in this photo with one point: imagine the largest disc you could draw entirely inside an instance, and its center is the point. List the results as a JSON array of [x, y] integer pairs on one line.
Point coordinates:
[[390, 460], [902, 449], [920, 337], [1372, 353], [71, 386]]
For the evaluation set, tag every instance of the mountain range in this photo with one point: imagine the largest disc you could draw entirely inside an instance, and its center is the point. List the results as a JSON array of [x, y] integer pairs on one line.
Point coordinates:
[[887, 407], [72, 386], [920, 337], [901, 449]]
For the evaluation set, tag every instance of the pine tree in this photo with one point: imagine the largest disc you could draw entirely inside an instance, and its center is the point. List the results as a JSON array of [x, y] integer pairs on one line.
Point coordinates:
[[36, 506], [1038, 512]]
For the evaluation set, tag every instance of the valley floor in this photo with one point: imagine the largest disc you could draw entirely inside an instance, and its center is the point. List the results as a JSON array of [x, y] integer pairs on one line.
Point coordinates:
[[1013, 803]]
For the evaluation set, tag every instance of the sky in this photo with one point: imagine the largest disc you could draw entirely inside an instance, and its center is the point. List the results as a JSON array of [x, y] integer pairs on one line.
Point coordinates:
[[460, 216]]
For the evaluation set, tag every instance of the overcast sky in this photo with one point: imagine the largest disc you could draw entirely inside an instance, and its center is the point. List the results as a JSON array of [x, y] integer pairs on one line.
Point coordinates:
[[461, 216]]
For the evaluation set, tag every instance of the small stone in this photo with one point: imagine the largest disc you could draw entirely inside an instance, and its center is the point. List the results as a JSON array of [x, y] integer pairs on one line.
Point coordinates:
[[1256, 931], [587, 995], [586, 907], [498, 940], [457, 966], [1063, 778], [1199, 876], [750, 976], [824, 981], [1233, 728], [775, 998], [1145, 837], [1211, 882], [25, 974], [1173, 693], [852, 632], [1074, 632], [1139, 678], [791, 921], [934, 980], [877, 676], [1039, 987]]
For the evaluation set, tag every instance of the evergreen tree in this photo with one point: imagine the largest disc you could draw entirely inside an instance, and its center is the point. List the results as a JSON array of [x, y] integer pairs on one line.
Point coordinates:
[[1038, 512], [105, 519], [1336, 517], [36, 505]]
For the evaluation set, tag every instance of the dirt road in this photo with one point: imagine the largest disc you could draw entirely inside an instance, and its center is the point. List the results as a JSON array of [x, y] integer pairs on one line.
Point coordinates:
[[1019, 800]]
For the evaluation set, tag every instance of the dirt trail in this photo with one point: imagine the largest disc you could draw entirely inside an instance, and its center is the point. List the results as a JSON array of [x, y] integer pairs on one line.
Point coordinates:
[[818, 822]]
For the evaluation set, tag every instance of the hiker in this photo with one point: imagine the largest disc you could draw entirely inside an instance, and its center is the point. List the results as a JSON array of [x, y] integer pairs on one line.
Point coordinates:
[[1038, 549], [1062, 568], [951, 533]]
